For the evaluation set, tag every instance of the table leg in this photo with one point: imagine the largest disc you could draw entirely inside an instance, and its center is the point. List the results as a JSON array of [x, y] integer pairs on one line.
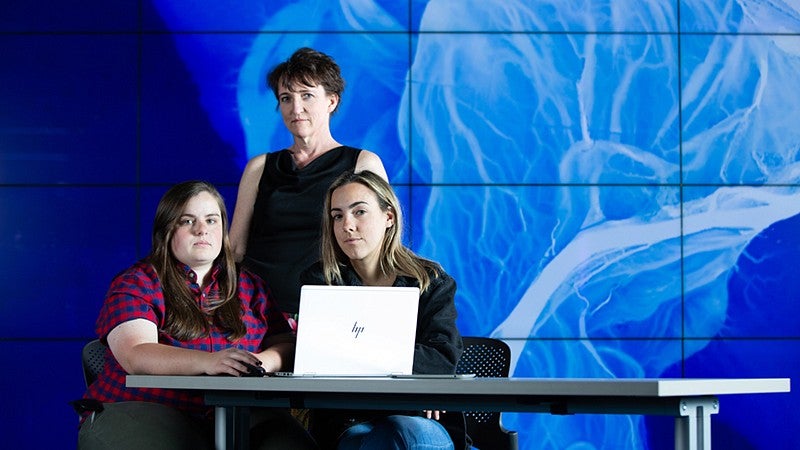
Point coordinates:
[[241, 427], [220, 430], [693, 424], [231, 428]]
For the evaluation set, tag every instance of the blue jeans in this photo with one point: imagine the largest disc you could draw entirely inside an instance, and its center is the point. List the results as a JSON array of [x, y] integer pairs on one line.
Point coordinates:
[[397, 433]]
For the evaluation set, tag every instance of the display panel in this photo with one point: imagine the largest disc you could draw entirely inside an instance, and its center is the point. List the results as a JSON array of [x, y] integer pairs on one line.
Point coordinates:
[[751, 421], [44, 377], [613, 198], [769, 17], [61, 16], [620, 16], [547, 264], [60, 247], [69, 109], [550, 108], [737, 125]]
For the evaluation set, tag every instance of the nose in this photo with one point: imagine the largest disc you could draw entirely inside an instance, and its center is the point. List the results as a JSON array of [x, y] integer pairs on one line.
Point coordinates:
[[348, 223], [200, 228], [297, 106]]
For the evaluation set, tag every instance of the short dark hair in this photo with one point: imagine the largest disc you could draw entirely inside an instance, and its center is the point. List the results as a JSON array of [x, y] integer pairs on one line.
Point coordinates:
[[308, 67]]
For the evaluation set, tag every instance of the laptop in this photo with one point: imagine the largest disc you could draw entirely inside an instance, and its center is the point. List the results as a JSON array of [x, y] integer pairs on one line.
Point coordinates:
[[356, 331]]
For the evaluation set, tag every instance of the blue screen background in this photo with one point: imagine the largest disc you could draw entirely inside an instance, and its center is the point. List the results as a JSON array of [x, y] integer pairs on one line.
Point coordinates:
[[613, 184]]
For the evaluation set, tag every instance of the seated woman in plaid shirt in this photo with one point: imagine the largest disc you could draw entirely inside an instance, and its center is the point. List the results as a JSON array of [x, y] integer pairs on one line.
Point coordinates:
[[186, 309]]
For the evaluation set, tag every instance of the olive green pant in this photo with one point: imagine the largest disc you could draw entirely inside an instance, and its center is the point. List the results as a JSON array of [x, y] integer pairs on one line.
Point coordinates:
[[153, 426]]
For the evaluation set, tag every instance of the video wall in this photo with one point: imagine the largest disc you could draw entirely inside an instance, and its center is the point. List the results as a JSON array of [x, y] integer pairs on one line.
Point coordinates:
[[615, 185]]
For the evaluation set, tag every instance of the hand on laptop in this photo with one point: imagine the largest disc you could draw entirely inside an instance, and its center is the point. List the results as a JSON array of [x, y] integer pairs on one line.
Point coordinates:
[[231, 361]]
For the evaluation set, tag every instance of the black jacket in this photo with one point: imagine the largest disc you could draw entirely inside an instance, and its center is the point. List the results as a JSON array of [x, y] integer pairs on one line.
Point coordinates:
[[436, 351]]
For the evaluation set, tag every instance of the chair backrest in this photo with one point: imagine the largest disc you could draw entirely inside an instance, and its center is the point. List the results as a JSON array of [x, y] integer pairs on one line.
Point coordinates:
[[93, 358], [487, 357]]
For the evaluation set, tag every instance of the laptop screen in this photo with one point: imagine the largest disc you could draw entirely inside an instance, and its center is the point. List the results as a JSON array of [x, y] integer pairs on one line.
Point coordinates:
[[356, 330]]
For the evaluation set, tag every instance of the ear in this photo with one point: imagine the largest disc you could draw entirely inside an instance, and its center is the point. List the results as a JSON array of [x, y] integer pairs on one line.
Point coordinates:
[[333, 102], [389, 219]]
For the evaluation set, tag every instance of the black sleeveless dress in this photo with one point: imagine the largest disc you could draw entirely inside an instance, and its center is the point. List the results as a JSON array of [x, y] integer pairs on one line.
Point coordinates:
[[287, 217]]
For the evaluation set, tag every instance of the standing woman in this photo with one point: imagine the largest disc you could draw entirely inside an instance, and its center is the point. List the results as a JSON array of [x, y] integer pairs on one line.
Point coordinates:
[[186, 309], [361, 245], [276, 223]]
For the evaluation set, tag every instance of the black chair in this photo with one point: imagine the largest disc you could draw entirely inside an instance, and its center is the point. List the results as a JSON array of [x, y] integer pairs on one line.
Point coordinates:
[[93, 358], [487, 357]]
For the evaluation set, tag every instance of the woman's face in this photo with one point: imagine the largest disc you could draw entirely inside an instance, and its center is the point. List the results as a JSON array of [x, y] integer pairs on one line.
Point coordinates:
[[197, 240], [359, 224], [306, 110]]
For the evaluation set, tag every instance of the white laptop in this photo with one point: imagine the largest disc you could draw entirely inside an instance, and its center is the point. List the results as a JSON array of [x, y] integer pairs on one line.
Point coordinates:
[[356, 331]]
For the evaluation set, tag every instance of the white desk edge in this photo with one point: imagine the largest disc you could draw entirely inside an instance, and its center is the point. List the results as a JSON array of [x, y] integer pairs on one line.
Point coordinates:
[[626, 387]]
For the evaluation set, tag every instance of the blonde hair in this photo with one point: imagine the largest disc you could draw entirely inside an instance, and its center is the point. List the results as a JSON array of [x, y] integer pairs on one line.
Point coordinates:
[[395, 258]]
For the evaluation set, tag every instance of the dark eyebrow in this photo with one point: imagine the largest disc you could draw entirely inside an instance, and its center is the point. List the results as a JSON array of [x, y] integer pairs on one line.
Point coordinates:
[[351, 206], [207, 215], [294, 91]]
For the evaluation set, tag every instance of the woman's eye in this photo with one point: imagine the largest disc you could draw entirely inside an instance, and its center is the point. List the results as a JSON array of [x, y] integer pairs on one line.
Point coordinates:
[[186, 222], [336, 217], [211, 221]]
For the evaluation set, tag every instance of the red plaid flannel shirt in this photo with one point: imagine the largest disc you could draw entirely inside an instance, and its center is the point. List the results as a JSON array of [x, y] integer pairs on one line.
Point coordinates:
[[136, 294]]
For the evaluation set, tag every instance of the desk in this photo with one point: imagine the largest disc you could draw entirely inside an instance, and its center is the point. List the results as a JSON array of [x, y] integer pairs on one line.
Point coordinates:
[[690, 401]]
